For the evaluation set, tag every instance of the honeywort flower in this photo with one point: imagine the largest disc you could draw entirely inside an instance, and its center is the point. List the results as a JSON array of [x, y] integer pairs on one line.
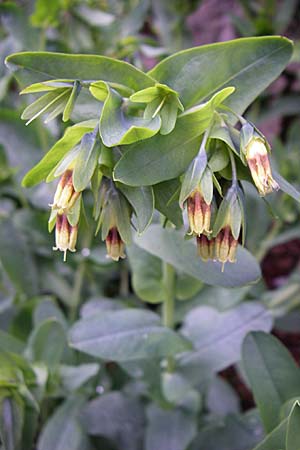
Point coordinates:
[[199, 213], [205, 247], [113, 213], [65, 195], [255, 148], [65, 235]]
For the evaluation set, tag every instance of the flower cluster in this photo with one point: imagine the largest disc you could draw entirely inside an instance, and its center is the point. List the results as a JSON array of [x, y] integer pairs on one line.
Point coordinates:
[[215, 201]]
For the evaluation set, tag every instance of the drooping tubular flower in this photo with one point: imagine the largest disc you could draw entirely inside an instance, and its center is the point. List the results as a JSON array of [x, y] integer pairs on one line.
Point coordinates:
[[228, 225], [113, 213], [206, 247], [199, 213], [65, 235], [255, 149], [65, 195]]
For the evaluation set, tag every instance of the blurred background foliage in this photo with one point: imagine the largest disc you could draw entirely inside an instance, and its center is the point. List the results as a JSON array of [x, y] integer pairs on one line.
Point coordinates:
[[36, 285]]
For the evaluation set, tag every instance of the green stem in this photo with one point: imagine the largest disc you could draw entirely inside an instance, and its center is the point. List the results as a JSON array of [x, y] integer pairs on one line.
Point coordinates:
[[78, 280], [169, 303]]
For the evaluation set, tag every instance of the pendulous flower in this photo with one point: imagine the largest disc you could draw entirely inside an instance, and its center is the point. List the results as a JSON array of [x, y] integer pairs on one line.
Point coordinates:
[[65, 195], [199, 213], [225, 246], [114, 245], [65, 235], [205, 247]]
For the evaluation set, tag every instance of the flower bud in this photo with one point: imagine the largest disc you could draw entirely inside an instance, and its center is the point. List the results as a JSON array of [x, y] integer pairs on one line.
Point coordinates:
[[65, 235], [65, 195], [225, 245], [199, 213], [114, 245], [257, 158], [205, 247]]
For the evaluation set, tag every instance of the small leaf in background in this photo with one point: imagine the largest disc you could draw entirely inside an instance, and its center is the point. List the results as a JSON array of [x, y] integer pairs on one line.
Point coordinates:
[[126, 335], [293, 429], [147, 275], [169, 429], [17, 259], [11, 419], [186, 286], [47, 342], [166, 200], [116, 417], [73, 377], [272, 373], [63, 429], [217, 337], [169, 245]]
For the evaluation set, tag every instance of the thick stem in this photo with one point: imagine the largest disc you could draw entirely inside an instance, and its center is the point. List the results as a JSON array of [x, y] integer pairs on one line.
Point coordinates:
[[169, 303]]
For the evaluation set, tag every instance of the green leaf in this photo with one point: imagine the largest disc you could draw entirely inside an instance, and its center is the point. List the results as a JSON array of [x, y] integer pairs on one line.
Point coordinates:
[[86, 161], [11, 419], [63, 429], [286, 187], [17, 259], [146, 275], [193, 176], [276, 439], [169, 429], [170, 246], [125, 335], [272, 373], [73, 377], [71, 137], [71, 101], [47, 342], [293, 431], [116, 417], [218, 337], [142, 200], [249, 65], [186, 286], [46, 86], [117, 127], [233, 432], [164, 157], [10, 343], [166, 200], [45, 103], [40, 66]]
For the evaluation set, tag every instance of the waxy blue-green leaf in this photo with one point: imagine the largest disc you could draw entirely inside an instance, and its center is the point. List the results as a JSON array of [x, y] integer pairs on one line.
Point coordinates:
[[63, 429], [117, 127], [275, 439], [249, 65], [30, 67], [141, 199], [44, 104], [71, 137], [86, 161], [286, 187], [125, 335], [146, 273], [11, 419], [171, 247], [71, 101], [193, 176], [166, 200], [272, 373], [165, 157], [293, 430]]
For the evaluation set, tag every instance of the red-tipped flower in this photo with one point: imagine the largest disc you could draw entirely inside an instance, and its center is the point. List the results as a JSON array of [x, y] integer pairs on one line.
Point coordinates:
[[225, 245], [206, 247], [114, 245]]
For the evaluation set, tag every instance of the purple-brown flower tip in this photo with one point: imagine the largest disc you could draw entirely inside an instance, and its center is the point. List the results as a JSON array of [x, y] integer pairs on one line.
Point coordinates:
[[199, 213], [205, 247], [257, 158], [65, 235], [114, 245]]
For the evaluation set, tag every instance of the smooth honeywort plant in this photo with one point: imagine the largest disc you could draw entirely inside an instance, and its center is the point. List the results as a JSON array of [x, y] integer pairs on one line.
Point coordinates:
[[211, 188], [166, 156]]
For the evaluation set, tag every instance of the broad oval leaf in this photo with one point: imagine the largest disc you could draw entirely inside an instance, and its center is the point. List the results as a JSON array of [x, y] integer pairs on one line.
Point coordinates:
[[71, 137], [42, 66], [171, 247], [141, 199], [126, 335], [248, 64], [164, 157], [272, 373]]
